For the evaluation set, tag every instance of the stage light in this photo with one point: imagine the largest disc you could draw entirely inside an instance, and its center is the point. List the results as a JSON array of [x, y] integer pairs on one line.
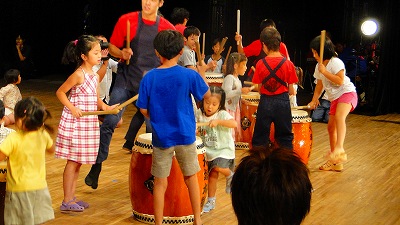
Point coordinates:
[[369, 27]]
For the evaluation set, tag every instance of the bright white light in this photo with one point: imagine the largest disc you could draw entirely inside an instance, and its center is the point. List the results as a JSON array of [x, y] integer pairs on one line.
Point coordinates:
[[369, 27]]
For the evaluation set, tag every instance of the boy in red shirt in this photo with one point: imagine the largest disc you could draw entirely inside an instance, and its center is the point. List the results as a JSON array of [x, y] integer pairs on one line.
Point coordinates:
[[275, 76]]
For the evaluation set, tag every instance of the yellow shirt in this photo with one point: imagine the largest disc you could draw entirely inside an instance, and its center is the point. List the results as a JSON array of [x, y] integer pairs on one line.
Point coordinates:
[[26, 169]]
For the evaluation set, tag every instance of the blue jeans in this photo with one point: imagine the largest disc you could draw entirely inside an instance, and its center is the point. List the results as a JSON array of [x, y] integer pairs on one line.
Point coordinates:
[[118, 95], [321, 113], [274, 109]]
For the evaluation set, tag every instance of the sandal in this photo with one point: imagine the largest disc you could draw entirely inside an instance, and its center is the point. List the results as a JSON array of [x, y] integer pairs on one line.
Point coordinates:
[[81, 203], [71, 206]]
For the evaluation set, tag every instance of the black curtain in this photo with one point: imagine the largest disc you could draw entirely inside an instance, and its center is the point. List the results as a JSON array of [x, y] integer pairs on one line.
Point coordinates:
[[386, 98]]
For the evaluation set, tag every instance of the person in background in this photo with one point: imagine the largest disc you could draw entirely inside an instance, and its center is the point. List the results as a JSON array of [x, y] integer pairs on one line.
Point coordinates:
[[145, 25], [216, 56], [10, 94], [23, 58], [271, 186], [179, 18], [28, 199]]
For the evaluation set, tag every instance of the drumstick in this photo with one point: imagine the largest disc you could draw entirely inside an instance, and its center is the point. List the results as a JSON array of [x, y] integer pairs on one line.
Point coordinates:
[[252, 87], [222, 44], [128, 37], [112, 111], [227, 55], [204, 43], [253, 68], [248, 83], [301, 107], [106, 112], [199, 58], [321, 46], [202, 124], [238, 24]]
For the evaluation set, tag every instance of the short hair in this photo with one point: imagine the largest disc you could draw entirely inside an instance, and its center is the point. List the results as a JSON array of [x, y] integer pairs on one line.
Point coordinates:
[[168, 43], [329, 47], [11, 76], [271, 38], [2, 109], [179, 15], [271, 186], [267, 23], [191, 30]]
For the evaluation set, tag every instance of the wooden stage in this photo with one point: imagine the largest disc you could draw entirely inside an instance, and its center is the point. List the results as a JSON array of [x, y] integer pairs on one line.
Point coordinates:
[[367, 191]]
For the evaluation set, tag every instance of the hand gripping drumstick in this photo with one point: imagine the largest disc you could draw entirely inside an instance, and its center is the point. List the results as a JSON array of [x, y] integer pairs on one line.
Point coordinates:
[[112, 111], [321, 46], [128, 37], [202, 124]]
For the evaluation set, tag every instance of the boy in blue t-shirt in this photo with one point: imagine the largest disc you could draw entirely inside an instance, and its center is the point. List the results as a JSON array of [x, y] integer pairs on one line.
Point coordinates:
[[164, 97]]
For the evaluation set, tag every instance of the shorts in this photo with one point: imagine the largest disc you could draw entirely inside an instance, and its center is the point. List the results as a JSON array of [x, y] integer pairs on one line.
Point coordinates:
[[350, 97], [186, 155], [30, 207], [221, 163]]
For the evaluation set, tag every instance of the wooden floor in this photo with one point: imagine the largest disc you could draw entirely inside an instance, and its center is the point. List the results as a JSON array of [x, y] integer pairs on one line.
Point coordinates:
[[367, 191]]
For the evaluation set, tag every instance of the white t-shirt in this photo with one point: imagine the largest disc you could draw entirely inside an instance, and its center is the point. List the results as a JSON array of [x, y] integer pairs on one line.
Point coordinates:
[[334, 91], [105, 84]]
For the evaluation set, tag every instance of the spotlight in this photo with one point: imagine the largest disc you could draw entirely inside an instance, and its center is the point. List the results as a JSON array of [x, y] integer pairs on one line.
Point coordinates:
[[369, 27]]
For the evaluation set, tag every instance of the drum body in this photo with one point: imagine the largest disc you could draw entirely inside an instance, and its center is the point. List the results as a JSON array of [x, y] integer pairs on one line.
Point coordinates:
[[248, 112], [3, 173], [177, 206], [214, 78], [302, 141]]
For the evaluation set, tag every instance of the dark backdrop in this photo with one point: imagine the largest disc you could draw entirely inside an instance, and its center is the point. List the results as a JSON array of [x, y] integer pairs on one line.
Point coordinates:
[[48, 25]]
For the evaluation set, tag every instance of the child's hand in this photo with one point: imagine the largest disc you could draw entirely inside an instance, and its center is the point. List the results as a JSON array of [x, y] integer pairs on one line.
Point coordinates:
[[211, 65], [104, 53], [238, 37], [246, 90], [76, 112], [214, 123], [321, 68], [110, 107], [313, 104]]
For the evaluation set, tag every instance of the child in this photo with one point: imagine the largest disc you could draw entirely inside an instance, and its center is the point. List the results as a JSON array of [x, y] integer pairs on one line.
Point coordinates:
[[28, 199], [78, 137], [175, 130], [341, 92], [188, 57], [10, 94], [216, 56], [275, 86], [4, 131], [219, 144], [236, 65], [271, 186]]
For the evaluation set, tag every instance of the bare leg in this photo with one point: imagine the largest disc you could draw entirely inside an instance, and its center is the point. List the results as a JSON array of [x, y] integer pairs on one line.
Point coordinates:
[[160, 186], [212, 183], [332, 132], [194, 193], [70, 177], [343, 109]]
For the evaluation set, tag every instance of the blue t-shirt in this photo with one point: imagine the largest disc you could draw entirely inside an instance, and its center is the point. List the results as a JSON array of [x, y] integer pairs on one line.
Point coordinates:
[[165, 93]]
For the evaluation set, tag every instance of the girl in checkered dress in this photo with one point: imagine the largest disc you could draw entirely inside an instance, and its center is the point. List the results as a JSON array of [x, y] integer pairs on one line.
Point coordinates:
[[78, 136]]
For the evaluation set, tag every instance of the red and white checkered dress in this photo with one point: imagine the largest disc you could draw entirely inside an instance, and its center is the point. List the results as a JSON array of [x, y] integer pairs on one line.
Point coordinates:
[[78, 139]]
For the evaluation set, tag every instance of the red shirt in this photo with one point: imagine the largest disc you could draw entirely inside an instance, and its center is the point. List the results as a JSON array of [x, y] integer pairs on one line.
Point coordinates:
[[255, 48], [180, 28], [118, 36], [286, 72]]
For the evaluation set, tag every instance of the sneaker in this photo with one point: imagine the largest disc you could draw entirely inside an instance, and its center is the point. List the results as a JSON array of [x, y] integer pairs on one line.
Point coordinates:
[[329, 166], [210, 205], [228, 184]]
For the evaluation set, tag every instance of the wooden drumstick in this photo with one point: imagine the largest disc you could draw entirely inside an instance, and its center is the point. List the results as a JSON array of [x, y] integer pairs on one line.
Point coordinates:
[[199, 58], [128, 37], [321, 46], [129, 101], [202, 124], [106, 112], [253, 68], [222, 44], [248, 83], [238, 24], [112, 111], [227, 55], [204, 43], [301, 107]]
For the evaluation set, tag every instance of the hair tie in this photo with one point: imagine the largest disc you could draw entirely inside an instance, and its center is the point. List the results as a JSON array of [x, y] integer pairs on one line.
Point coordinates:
[[76, 42]]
